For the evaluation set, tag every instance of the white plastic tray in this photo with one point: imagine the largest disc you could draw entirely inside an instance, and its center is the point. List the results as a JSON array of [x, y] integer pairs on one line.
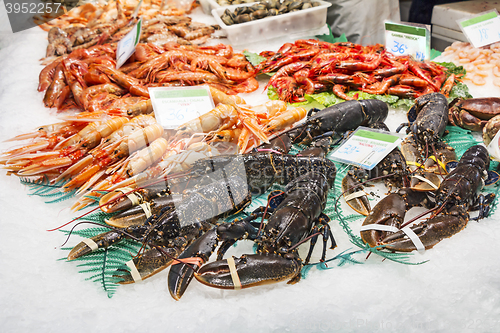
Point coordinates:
[[274, 26], [208, 5]]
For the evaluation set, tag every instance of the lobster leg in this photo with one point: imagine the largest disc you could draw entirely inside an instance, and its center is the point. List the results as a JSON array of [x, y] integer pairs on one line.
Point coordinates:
[[482, 204], [323, 227]]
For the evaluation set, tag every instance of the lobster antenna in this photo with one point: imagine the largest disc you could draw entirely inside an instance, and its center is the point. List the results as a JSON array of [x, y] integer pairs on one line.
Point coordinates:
[[265, 212], [420, 215], [304, 240], [101, 225]]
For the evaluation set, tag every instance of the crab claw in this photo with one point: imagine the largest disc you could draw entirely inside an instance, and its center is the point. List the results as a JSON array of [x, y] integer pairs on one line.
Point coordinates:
[[100, 241], [429, 232], [250, 270]]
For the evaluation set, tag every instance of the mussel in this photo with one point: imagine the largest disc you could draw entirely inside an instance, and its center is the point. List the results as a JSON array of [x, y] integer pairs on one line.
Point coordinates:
[[263, 9]]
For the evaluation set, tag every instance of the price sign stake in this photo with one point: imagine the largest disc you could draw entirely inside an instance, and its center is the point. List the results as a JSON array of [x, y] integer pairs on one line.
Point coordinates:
[[366, 147], [176, 106], [408, 39], [126, 46], [483, 29]]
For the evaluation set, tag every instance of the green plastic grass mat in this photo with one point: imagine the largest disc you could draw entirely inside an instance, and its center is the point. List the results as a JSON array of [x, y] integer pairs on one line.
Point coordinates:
[[101, 265]]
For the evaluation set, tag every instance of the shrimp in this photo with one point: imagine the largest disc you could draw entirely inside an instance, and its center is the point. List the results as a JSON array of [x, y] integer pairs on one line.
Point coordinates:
[[126, 81], [222, 117], [285, 119], [114, 152], [221, 97], [73, 153], [46, 137]]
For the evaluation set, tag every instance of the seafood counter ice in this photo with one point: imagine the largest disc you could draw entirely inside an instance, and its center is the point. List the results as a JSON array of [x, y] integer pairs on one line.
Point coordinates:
[[456, 290]]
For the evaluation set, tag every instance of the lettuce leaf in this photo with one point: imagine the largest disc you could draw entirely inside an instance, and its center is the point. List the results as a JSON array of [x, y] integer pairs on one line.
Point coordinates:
[[253, 58], [330, 38], [451, 68]]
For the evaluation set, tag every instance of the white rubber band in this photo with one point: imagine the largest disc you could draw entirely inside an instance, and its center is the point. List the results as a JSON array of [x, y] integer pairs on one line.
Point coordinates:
[[90, 243], [146, 207], [379, 227], [354, 195], [134, 198], [234, 273], [415, 239], [134, 271], [427, 181]]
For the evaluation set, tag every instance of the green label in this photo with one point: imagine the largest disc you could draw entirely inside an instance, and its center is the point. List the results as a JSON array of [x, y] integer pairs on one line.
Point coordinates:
[[478, 19], [377, 136], [138, 32], [178, 93], [405, 29]]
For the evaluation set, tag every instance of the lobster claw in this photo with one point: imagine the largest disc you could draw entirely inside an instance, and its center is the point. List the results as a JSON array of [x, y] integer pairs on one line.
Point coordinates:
[[249, 271], [354, 195], [147, 264], [181, 274], [429, 232], [100, 241], [425, 181]]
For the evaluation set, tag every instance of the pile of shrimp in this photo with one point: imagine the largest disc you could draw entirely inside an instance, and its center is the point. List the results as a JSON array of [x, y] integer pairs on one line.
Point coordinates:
[[87, 80], [110, 26], [311, 66], [480, 63], [91, 157], [105, 12]]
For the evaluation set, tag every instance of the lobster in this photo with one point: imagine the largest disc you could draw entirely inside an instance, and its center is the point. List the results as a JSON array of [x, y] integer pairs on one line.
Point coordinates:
[[297, 216], [334, 120], [173, 228], [260, 169], [456, 196], [428, 118], [392, 169], [338, 119], [176, 222]]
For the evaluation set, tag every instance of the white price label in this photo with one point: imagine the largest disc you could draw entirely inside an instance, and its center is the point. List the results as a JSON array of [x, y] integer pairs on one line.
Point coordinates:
[[176, 106], [483, 29], [126, 46], [406, 39], [366, 147]]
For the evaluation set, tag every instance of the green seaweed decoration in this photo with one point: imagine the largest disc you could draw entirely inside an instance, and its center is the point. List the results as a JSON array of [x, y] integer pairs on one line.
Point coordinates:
[[102, 264], [43, 188]]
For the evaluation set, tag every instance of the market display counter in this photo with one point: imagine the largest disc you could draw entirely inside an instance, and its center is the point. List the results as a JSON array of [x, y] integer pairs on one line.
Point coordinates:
[[455, 289]]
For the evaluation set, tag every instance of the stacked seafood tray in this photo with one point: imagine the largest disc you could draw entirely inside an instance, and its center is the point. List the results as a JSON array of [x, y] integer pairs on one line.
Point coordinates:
[[262, 172]]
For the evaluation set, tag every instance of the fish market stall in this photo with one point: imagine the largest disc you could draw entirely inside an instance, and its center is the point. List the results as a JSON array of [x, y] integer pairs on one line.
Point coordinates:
[[451, 287]]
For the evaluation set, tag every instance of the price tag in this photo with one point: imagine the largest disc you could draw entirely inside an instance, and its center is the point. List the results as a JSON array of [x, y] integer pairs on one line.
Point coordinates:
[[176, 106], [408, 39], [483, 29], [126, 46], [366, 147]]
